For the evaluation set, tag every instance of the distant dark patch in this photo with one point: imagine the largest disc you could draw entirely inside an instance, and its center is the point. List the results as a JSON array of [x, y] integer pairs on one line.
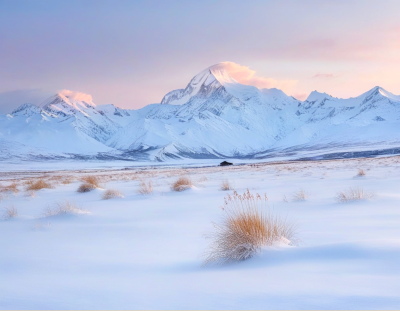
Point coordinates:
[[225, 163], [378, 118]]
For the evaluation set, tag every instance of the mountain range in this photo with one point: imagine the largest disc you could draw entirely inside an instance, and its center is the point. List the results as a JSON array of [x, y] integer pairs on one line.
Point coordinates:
[[213, 117]]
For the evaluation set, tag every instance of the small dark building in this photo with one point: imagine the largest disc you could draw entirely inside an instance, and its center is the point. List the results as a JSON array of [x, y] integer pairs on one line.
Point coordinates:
[[225, 163]]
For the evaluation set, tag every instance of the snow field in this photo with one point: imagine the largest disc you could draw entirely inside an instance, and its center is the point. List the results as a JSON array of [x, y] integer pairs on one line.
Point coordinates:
[[145, 251]]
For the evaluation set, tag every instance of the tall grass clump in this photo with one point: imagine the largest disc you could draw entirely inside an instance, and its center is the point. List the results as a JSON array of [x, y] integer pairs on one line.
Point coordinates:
[[10, 212], [145, 187], [248, 225], [225, 185], [353, 194], [89, 183], [111, 193], [92, 180], [85, 187], [13, 187], [65, 207], [38, 185], [181, 184]]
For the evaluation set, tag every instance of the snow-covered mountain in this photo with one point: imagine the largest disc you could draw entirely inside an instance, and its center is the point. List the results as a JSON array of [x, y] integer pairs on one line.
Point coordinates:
[[62, 125], [213, 117]]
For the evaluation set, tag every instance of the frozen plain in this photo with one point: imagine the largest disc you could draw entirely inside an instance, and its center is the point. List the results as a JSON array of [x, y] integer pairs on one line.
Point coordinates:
[[144, 251]]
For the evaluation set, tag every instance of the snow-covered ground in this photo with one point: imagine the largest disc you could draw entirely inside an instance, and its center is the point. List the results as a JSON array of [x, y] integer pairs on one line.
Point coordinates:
[[144, 251]]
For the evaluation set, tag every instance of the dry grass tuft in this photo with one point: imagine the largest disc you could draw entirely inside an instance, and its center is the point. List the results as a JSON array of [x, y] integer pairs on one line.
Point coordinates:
[[225, 185], [85, 187], [181, 184], [247, 226], [10, 212], [38, 185], [13, 187], [66, 207], [145, 187], [92, 180], [300, 195], [66, 181], [353, 194], [111, 193], [361, 172]]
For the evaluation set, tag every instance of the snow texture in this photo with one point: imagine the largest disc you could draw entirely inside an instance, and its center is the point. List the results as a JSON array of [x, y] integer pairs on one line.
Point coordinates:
[[144, 252]]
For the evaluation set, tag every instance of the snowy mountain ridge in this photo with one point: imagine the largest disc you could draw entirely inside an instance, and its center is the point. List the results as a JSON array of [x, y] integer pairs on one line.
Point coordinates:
[[213, 117]]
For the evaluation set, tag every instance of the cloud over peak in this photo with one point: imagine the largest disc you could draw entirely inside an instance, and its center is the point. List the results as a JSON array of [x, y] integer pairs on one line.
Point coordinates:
[[245, 75], [80, 96]]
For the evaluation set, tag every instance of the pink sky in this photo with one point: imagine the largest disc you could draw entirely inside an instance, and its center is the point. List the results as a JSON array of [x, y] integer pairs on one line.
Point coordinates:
[[132, 53]]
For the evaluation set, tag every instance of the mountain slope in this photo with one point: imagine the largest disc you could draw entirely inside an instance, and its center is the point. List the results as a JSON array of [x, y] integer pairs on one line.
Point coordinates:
[[61, 125], [213, 116]]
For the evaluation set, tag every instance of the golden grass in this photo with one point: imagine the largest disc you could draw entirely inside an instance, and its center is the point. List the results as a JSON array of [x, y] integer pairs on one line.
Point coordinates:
[[247, 226], [361, 172], [66, 207], [66, 181], [353, 194], [93, 180], [111, 193], [10, 212], [300, 195], [55, 179], [38, 185], [85, 187], [225, 185], [145, 187], [181, 184], [13, 187]]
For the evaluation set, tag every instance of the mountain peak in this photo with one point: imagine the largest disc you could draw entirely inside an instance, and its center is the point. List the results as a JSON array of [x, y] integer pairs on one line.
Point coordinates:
[[26, 109], [67, 102], [220, 72], [112, 109], [315, 95], [215, 74], [201, 85], [379, 91]]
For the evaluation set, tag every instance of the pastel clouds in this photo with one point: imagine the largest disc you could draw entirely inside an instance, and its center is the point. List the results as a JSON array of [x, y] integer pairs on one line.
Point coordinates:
[[77, 95], [131, 54], [245, 75], [324, 76]]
